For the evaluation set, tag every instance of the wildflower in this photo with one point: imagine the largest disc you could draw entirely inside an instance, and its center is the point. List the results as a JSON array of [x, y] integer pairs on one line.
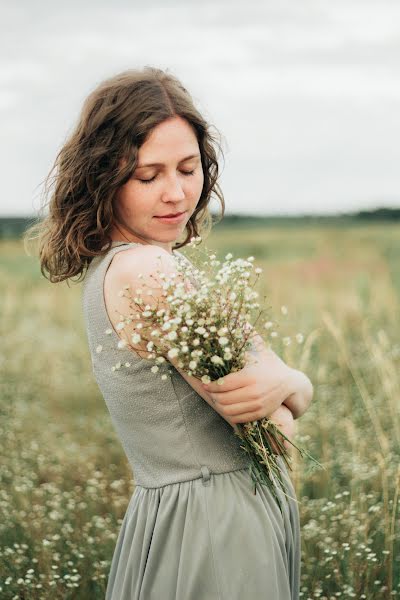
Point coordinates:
[[99, 348], [122, 344], [136, 338], [173, 352], [217, 360]]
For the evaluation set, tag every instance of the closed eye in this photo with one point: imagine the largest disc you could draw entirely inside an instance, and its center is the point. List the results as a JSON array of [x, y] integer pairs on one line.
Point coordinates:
[[187, 173]]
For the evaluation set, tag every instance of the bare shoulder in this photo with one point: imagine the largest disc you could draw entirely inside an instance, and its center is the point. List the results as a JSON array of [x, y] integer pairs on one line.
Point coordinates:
[[145, 259], [133, 266]]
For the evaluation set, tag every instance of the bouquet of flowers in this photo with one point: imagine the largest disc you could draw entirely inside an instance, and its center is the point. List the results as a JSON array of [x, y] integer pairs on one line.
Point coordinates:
[[206, 322]]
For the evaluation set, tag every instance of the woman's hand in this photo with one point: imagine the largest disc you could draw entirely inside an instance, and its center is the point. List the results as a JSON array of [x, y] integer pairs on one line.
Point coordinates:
[[259, 389], [283, 418]]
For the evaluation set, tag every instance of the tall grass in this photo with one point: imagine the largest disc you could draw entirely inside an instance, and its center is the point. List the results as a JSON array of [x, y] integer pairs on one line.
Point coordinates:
[[65, 482]]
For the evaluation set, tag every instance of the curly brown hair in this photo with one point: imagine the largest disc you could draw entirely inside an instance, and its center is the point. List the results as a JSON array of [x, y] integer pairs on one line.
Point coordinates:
[[116, 119]]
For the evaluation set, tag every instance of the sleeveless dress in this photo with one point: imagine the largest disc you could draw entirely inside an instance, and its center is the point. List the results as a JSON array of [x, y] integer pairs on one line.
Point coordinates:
[[193, 529]]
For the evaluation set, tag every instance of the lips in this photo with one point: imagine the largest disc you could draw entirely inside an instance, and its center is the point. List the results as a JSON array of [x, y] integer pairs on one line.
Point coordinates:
[[170, 215]]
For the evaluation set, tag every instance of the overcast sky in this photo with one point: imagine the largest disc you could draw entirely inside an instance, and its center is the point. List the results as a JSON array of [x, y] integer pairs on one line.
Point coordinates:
[[306, 94]]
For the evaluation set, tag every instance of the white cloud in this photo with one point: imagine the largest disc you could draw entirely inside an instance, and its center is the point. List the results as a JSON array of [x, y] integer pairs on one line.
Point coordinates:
[[305, 94]]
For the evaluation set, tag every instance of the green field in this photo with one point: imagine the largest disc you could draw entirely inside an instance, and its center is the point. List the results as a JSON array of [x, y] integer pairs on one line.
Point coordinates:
[[65, 482]]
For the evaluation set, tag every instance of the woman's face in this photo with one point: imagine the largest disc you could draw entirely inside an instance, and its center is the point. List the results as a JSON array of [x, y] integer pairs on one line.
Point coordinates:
[[168, 180]]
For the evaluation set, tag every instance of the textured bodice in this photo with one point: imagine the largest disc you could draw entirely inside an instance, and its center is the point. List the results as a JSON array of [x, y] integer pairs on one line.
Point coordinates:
[[168, 431]]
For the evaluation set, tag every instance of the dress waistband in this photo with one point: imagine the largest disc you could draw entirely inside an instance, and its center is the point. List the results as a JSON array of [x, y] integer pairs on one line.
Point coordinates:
[[205, 475]]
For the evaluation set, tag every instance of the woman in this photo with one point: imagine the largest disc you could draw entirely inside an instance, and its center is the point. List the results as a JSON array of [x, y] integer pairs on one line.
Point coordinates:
[[193, 530]]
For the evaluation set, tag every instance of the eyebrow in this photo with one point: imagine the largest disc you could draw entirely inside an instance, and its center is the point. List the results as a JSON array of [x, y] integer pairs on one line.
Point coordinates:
[[161, 164]]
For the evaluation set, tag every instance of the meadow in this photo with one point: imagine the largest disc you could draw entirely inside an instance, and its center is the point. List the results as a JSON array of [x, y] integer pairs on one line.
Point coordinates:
[[65, 482]]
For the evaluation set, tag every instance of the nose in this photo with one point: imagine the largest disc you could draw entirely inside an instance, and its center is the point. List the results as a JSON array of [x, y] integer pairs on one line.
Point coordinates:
[[173, 191]]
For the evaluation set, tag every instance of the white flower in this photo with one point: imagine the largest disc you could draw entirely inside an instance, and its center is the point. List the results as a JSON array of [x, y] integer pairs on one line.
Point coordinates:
[[172, 335], [217, 360], [136, 338], [108, 331], [299, 338], [150, 346], [121, 343], [268, 324], [99, 348], [127, 364], [228, 256], [154, 369], [284, 310], [173, 352], [155, 333], [222, 331], [258, 270], [160, 359], [205, 379], [273, 333], [200, 330], [192, 364], [120, 325], [223, 341], [146, 313], [164, 377], [166, 325]]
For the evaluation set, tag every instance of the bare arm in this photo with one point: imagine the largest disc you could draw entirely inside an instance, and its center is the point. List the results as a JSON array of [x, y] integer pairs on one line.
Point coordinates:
[[300, 398]]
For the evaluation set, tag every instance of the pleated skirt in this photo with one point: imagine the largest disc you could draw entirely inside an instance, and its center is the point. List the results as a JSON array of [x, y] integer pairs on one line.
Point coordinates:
[[207, 539]]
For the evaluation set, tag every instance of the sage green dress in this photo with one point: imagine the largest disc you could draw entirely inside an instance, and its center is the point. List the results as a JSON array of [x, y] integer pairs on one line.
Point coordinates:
[[193, 529]]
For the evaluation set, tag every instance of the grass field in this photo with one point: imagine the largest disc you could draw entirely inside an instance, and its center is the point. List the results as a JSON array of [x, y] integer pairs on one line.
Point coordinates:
[[65, 482]]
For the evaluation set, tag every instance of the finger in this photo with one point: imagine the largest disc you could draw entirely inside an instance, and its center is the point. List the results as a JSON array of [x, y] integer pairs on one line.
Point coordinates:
[[242, 408], [236, 396], [232, 381], [246, 417]]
